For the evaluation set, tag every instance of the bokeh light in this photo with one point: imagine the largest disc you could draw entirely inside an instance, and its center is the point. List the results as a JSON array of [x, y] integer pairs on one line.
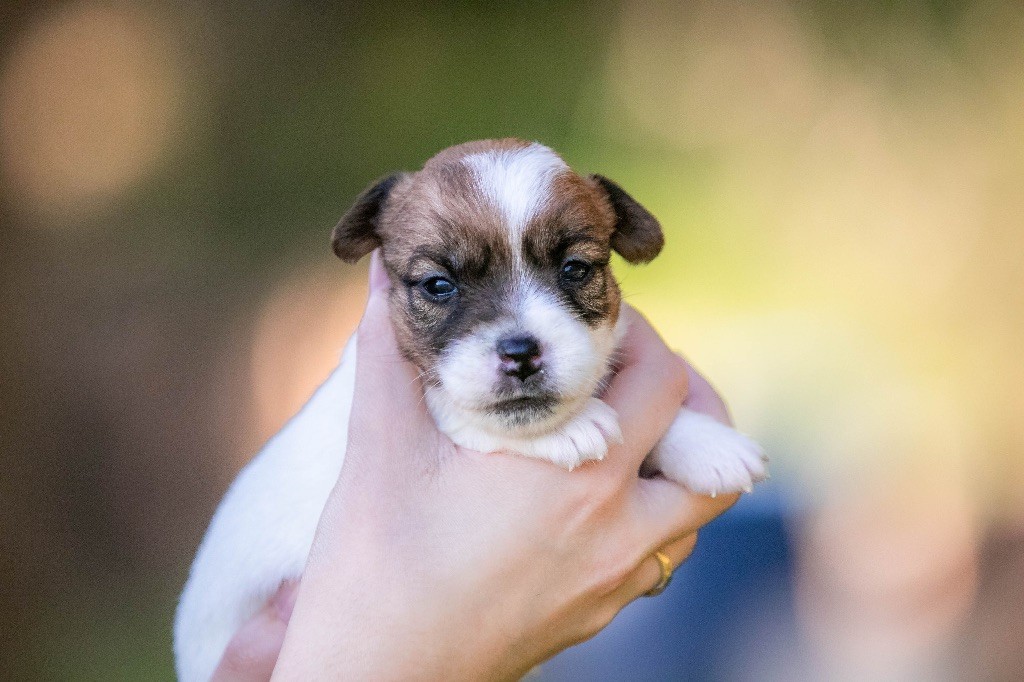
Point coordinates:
[[298, 340], [90, 99], [840, 186]]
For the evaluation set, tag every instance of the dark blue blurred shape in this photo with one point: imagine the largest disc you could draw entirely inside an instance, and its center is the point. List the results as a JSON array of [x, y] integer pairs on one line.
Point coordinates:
[[728, 614]]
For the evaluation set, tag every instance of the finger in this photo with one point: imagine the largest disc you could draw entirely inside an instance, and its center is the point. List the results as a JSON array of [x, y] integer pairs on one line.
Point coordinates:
[[648, 573], [647, 390], [377, 348], [252, 653], [379, 280], [388, 392], [704, 398], [666, 509]]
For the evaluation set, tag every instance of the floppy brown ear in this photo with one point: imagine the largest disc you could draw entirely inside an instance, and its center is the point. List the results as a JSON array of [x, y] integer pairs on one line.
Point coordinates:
[[356, 235], [637, 237]]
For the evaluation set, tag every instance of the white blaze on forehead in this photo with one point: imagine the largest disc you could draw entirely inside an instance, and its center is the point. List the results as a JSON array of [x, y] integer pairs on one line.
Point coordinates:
[[518, 181]]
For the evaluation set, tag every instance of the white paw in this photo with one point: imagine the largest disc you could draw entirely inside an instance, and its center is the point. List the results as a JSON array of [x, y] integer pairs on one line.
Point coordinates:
[[584, 437], [708, 457]]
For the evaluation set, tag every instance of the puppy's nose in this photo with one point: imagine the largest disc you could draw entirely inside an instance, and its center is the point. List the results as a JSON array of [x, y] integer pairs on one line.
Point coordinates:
[[520, 356]]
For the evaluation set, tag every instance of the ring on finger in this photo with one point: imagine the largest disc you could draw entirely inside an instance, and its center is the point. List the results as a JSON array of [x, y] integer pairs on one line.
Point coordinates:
[[665, 564]]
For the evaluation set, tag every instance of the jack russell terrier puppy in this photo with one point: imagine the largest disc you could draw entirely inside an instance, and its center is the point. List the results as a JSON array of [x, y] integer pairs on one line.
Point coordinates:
[[502, 295]]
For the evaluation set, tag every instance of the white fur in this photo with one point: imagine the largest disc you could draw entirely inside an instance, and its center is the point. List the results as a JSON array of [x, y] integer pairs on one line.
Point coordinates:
[[264, 526], [574, 356], [518, 181], [709, 457], [575, 360], [585, 436]]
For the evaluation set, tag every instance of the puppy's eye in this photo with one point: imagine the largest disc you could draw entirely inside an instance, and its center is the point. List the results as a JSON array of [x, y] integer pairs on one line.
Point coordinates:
[[575, 271], [439, 288]]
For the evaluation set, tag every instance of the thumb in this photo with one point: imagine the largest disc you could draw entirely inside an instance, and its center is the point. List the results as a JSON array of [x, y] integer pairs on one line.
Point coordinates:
[[388, 399]]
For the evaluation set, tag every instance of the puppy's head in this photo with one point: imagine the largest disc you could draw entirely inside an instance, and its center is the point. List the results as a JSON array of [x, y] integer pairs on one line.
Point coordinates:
[[501, 289]]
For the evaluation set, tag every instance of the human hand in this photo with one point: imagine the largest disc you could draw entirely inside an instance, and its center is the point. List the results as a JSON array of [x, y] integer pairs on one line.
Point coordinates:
[[435, 562]]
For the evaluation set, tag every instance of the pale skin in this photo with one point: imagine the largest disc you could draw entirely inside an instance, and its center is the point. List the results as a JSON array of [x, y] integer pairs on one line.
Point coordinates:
[[434, 562]]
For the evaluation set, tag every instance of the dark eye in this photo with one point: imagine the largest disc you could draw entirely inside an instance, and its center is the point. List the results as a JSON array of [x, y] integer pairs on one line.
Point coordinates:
[[439, 288], [575, 271]]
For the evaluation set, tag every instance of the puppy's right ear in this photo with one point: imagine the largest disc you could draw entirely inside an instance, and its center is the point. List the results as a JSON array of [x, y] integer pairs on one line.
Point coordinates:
[[356, 234]]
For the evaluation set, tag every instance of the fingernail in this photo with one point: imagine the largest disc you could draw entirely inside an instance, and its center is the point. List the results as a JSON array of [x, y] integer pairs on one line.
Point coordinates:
[[283, 602], [378, 275]]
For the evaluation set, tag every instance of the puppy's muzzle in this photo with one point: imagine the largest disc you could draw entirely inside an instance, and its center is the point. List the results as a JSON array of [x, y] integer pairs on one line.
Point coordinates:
[[520, 356]]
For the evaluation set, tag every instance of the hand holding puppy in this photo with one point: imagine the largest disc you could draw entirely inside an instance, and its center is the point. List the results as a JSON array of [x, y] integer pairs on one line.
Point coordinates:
[[500, 297], [434, 562]]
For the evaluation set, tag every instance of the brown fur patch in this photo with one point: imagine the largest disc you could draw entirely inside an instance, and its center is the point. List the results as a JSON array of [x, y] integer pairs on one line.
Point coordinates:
[[577, 223], [440, 224]]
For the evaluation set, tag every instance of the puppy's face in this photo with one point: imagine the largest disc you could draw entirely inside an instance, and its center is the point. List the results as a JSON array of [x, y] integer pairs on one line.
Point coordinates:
[[501, 288]]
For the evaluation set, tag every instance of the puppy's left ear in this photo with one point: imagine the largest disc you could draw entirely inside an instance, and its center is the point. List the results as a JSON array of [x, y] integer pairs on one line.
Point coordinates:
[[637, 237], [356, 234]]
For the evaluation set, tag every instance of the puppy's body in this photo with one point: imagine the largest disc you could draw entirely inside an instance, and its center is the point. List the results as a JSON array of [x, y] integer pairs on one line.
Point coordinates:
[[502, 296], [263, 529]]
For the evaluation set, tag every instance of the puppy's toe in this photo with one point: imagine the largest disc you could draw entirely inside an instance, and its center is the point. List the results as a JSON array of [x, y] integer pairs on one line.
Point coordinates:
[[708, 457], [733, 466], [584, 438]]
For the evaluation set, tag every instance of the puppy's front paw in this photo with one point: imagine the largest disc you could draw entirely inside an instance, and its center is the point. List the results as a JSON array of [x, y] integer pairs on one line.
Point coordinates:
[[708, 457], [583, 438], [586, 436]]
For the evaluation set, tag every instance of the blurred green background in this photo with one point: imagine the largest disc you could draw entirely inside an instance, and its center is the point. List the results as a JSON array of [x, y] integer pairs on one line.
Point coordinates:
[[841, 189]]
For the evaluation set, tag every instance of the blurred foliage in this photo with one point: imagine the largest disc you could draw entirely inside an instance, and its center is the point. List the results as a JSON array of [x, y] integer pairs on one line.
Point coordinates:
[[839, 183], [309, 106]]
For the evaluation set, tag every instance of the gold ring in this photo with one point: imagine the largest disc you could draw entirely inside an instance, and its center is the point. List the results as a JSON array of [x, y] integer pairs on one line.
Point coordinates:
[[666, 575]]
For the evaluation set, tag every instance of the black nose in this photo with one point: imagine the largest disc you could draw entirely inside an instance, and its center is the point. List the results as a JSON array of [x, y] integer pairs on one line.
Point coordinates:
[[520, 356]]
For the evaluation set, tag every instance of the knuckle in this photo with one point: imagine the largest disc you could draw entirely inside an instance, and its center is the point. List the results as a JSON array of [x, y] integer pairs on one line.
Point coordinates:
[[723, 502], [688, 550], [677, 376], [589, 626], [682, 549], [601, 618]]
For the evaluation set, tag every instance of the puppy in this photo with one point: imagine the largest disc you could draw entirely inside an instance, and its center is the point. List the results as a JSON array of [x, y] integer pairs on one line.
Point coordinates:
[[503, 297]]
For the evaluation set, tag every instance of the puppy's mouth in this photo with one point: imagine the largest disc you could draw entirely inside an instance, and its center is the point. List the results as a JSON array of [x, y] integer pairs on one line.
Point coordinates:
[[528, 402], [525, 407]]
